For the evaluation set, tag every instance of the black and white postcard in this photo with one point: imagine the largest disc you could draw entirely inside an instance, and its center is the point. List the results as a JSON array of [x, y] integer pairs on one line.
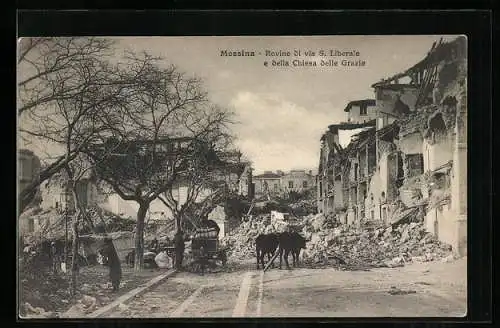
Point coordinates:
[[242, 176]]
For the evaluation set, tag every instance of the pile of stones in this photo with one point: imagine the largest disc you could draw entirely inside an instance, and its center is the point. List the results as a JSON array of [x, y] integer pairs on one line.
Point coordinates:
[[329, 243]]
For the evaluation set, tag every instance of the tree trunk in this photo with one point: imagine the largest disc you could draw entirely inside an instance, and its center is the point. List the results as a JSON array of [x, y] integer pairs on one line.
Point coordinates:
[[139, 236], [178, 222], [74, 244]]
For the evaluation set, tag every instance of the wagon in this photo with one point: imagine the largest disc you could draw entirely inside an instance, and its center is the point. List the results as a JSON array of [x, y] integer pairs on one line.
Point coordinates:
[[208, 249]]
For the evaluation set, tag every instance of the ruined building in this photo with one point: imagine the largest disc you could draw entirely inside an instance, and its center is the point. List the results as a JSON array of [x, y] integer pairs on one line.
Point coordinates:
[[28, 170], [339, 167], [409, 155]]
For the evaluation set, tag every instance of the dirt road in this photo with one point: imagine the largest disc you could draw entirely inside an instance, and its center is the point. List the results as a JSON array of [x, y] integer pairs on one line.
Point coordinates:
[[427, 289]]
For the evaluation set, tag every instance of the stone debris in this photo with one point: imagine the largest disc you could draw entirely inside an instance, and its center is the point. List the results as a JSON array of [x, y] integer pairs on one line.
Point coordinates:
[[368, 245], [89, 302], [38, 312], [397, 291], [85, 305], [423, 283], [241, 241]]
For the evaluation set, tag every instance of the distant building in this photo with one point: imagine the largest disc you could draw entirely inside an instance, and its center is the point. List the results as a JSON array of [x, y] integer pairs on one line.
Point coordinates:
[[268, 183], [297, 181], [281, 183]]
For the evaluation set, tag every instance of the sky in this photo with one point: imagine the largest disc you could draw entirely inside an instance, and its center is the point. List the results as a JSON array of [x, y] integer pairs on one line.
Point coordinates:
[[283, 111]]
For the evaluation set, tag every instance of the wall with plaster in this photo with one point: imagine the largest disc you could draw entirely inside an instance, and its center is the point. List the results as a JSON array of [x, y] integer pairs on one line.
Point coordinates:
[[438, 153], [354, 114], [411, 143], [386, 97]]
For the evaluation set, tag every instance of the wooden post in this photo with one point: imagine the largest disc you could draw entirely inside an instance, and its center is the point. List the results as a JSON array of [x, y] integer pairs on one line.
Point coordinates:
[[272, 261]]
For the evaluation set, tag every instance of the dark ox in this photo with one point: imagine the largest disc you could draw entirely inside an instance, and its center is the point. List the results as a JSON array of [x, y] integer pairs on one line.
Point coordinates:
[[265, 244], [291, 242]]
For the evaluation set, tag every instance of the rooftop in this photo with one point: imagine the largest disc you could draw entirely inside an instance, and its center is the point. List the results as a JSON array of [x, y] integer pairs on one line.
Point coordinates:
[[439, 51], [349, 126], [267, 175], [366, 102], [394, 86]]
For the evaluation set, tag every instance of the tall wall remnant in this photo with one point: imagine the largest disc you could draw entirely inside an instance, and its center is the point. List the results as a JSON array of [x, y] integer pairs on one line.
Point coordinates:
[[414, 154]]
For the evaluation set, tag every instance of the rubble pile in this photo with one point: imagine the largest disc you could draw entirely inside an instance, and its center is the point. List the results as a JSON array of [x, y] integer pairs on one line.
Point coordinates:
[[379, 247], [241, 241], [304, 207], [54, 226], [365, 246]]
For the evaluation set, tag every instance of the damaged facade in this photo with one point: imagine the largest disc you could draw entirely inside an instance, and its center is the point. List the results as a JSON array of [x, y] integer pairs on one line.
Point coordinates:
[[28, 170], [410, 153]]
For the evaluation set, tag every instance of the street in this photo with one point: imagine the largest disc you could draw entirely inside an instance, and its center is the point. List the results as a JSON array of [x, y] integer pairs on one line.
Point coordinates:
[[422, 289]]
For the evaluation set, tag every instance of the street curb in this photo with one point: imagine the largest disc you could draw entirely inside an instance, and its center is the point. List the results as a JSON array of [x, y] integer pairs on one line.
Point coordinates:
[[133, 293]]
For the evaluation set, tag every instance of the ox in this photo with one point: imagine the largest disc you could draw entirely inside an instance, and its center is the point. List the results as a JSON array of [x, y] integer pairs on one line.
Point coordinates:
[[290, 242], [265, 244]]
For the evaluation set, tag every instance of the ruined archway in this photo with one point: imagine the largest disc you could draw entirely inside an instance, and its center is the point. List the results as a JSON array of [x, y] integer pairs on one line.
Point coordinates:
[[436, 123], [437, 129], [450, 101]]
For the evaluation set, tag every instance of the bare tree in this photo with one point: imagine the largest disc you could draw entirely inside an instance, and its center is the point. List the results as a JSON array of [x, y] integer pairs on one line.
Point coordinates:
[[202, 193], [43, 62], [168, 132], [65, 88], [206, 187], [76, 172]]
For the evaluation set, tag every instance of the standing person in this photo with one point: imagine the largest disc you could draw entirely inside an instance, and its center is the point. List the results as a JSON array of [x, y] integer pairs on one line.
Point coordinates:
[[179, 249], [115, 270], [203, 260]]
